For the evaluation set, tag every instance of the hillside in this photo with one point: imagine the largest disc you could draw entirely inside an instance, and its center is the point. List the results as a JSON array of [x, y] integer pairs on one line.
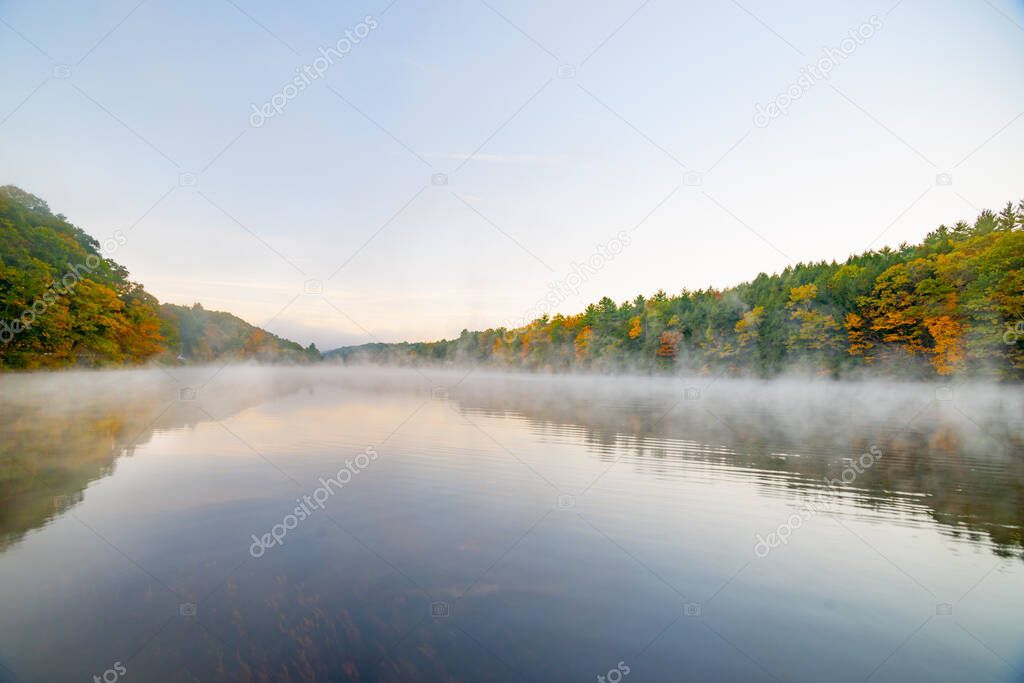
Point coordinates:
[[951, 305], [200, 335], [62, 303]]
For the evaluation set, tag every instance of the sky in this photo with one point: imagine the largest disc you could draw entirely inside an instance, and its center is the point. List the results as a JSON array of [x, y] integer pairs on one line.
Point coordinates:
[[341, 173]]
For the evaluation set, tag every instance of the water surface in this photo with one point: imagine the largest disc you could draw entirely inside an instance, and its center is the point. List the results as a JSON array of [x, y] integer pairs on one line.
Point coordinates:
[[507, 528]]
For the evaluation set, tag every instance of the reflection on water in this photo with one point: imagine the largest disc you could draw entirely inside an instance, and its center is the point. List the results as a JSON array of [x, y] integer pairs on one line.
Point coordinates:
[[513, 528], [957, 461], [59, 438]]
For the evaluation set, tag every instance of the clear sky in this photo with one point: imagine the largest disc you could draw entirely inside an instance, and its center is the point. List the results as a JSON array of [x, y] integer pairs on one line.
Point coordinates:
[[557, 125]]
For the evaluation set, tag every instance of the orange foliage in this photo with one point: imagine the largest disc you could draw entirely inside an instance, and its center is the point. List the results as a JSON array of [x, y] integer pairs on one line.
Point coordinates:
[[635, 329], [668, 344], [948, 354]]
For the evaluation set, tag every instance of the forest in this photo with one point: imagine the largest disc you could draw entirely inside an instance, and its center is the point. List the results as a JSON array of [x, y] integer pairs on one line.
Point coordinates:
[[952, 305], [62, 303]]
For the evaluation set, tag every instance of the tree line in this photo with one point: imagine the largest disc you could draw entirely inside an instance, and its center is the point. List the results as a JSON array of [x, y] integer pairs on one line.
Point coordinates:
[[952, 305]]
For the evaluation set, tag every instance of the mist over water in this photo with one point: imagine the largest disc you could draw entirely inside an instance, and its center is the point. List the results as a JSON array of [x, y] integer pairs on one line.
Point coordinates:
[[509, 527]]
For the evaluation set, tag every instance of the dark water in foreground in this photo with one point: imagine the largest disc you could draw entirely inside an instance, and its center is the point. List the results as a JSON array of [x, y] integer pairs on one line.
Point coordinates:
[[507, 529]]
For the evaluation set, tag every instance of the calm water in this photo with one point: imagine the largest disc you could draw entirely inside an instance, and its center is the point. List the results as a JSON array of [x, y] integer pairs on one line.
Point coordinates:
[[506, 528]]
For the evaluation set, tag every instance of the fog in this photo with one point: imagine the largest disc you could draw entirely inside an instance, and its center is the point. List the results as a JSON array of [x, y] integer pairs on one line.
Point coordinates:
[[794, 406]]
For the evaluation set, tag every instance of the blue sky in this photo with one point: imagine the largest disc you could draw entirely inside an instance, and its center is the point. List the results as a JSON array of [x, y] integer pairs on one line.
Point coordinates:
[[557, 125]]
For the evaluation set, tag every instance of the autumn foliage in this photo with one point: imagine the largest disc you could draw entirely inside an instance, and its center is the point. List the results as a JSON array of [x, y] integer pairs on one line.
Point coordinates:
[[63, 303], [950, 305]]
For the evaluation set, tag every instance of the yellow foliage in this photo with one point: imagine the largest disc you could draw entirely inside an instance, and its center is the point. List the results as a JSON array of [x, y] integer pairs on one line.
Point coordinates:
[[803, 293], [583, 341], [635, 329], [747, 327], [857, 335]]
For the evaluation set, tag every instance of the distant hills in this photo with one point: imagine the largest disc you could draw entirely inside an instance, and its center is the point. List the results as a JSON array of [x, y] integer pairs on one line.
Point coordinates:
[[200, 335], [952, 305], [63, 303]]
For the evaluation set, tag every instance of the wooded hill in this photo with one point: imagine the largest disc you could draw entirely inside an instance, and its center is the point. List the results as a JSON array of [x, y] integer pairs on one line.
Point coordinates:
[[62, 303]]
